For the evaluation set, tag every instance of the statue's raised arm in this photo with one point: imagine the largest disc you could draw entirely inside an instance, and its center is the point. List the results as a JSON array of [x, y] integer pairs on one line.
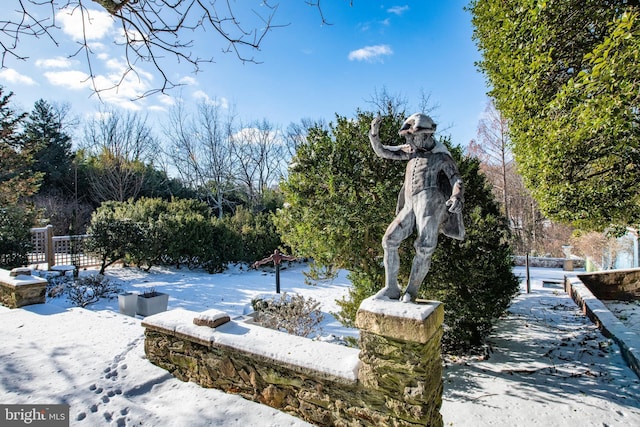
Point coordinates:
[[392, 152]]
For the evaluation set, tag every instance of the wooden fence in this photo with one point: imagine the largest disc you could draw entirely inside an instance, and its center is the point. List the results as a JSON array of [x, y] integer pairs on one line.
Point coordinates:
[[59, 250]]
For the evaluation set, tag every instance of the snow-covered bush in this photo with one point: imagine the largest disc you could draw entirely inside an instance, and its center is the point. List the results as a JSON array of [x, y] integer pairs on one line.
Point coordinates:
[[90, 289], [56, 285], [293, 314]]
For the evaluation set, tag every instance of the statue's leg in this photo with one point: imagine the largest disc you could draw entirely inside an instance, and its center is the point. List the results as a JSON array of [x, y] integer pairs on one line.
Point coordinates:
[[397, 231], [428, 225]]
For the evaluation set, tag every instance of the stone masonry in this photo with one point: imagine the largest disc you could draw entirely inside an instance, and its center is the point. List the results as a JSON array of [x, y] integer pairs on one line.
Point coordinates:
[[18, 291], [400, 354], [395, 379]]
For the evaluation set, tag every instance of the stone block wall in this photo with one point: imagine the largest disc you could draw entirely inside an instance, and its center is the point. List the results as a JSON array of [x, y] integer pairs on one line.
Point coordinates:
[[21, 290], [546, 262], [390, 381], [621, 285]]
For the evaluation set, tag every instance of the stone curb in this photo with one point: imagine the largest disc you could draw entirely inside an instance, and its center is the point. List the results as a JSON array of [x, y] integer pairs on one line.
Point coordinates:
[[611, 327]]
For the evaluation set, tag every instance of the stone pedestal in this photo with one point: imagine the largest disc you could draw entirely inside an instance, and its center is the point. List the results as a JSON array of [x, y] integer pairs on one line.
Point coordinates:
[[567, 265], [400, 354], [394, 380]]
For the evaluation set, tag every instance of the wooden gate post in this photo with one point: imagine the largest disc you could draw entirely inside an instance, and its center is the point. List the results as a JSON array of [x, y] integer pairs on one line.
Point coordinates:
[[48, 244]]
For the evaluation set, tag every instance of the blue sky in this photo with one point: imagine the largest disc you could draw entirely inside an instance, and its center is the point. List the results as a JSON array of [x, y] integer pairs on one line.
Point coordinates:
[[306, 69]]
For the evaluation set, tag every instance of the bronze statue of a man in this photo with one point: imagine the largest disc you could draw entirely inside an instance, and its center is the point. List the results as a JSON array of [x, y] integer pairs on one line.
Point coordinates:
[[430, 200]]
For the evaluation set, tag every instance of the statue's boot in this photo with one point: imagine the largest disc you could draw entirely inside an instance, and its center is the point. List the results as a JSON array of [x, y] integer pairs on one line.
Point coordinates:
[[419, 270], [391, 262], [388, 292]]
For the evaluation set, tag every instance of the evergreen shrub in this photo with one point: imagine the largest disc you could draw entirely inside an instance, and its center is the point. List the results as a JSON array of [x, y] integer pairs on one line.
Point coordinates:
[[149, 232], [340, 198], [15, 236]]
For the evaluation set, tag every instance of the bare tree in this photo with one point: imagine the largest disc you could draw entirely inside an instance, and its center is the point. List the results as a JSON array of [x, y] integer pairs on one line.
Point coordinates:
[[118, 147], [152, 30], [531, 231], [124, 134], [201, 152], [296, 133], [601, 248], [260, 158], [493, 149]]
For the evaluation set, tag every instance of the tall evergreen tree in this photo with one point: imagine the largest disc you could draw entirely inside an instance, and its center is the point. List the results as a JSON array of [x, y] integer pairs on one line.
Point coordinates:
[[51, 147], [16, 177], [339, 199], [17, 182]]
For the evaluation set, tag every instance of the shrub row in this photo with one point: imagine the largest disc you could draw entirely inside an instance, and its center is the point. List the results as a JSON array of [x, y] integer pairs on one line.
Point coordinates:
[[149, 232]]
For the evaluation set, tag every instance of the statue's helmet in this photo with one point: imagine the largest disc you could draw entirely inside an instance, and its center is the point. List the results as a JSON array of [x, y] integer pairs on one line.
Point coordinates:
[[416, 124]]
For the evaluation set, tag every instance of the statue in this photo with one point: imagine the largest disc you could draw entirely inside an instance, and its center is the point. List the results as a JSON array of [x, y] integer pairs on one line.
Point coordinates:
[[430, 200]]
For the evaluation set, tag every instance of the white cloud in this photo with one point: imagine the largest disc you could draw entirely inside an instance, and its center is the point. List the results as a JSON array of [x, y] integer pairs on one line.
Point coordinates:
[[97, 23], [370, 53], [112, 90], [98, 116], [12, 76], [188, 80], [166, 99], [254, 135], [220, 102], [156, 108], [125, 94], [398, 10], [70, 79], [115, 65], [95, 46], [57, 62]]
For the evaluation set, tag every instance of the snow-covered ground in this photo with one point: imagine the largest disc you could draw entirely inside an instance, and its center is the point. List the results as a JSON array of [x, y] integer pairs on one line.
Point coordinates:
[[628, 312], [548, 365]]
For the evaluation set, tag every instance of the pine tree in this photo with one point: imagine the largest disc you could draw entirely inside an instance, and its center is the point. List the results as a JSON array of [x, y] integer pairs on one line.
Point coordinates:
[[17, 182], [51, 147]]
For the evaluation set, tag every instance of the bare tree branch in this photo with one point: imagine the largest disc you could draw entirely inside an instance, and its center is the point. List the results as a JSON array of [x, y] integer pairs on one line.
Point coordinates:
[[153, 31]]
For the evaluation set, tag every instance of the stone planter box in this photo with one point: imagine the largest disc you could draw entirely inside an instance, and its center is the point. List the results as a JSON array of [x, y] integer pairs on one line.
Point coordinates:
[[128, 303], [149, 304]]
